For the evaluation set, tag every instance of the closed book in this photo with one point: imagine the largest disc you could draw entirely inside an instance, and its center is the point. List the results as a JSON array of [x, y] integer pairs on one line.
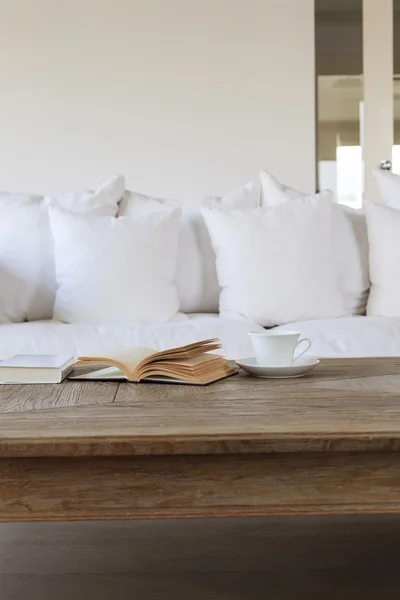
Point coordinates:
[[39, 368]]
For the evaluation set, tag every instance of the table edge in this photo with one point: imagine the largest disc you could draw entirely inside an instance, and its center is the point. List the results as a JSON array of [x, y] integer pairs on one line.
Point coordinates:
[[169, 445]]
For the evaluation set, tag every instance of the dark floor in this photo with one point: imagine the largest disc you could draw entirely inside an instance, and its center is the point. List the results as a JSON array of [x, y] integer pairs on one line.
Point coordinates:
[[268, 559]]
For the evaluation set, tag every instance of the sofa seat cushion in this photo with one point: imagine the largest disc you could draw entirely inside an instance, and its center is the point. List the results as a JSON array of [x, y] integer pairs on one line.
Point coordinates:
[[53, 337], [351, 337]]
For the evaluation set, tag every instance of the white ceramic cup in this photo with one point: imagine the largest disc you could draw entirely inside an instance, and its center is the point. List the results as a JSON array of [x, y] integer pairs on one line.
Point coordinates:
[[277, 348]]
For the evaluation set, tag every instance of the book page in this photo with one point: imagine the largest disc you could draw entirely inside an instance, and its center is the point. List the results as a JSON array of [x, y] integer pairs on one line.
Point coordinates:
[[133, 361], [187, 351], [106, 374], [127, 356], [182, 366]]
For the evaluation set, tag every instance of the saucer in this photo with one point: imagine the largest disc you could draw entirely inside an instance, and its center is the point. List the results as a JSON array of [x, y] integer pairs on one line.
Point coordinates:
[[296, 369]]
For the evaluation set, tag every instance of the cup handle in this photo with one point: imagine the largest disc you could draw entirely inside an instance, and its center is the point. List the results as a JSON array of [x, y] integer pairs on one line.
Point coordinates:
[[308, 342]]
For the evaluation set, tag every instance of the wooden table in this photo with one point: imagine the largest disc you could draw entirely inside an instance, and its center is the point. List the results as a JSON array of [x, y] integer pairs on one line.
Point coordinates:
[[328, 443]]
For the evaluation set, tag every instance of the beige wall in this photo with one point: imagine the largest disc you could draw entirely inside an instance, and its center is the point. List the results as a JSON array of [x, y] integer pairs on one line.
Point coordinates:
[[183, 96]]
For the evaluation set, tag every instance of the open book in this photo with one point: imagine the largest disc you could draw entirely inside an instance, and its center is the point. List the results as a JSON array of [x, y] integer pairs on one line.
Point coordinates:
[[192, 364]]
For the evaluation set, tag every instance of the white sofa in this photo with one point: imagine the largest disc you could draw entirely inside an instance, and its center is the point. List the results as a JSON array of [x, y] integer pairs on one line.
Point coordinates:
[[52, 337], [351, 337], [22, 333], [356, 336]]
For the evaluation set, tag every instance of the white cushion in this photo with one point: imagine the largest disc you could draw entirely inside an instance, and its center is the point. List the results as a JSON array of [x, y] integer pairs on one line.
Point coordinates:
[[27, 277], [24, 252], [275, 264], [332, 338], [350, 242], [115, 270], [53, 337], [102, 202], [351, 337], [389, 187], [197, 281], [384, 260], [384, 254]]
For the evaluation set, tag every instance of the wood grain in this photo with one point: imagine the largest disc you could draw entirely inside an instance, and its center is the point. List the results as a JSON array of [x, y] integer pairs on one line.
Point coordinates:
[[242, 414], [25, 398], [194, 486], [329, 443]]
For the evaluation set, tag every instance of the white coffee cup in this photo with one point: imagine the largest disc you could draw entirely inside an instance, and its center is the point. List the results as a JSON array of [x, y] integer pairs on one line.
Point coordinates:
[[277, 348]]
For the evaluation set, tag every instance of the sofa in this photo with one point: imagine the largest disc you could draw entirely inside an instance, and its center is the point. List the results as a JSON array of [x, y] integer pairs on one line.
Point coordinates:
[[356, 336], [29, 281]]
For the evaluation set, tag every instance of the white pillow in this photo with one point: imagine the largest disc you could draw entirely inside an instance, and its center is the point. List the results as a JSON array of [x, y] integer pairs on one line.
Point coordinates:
[[197, 281], [384, 260], [389, 187], [115, 270], [102, 202], [350, 242], [275, 264], [27, 277], [24, 238]]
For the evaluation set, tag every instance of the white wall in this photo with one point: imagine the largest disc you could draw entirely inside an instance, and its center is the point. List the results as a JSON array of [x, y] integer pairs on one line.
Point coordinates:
[[183, 96]]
